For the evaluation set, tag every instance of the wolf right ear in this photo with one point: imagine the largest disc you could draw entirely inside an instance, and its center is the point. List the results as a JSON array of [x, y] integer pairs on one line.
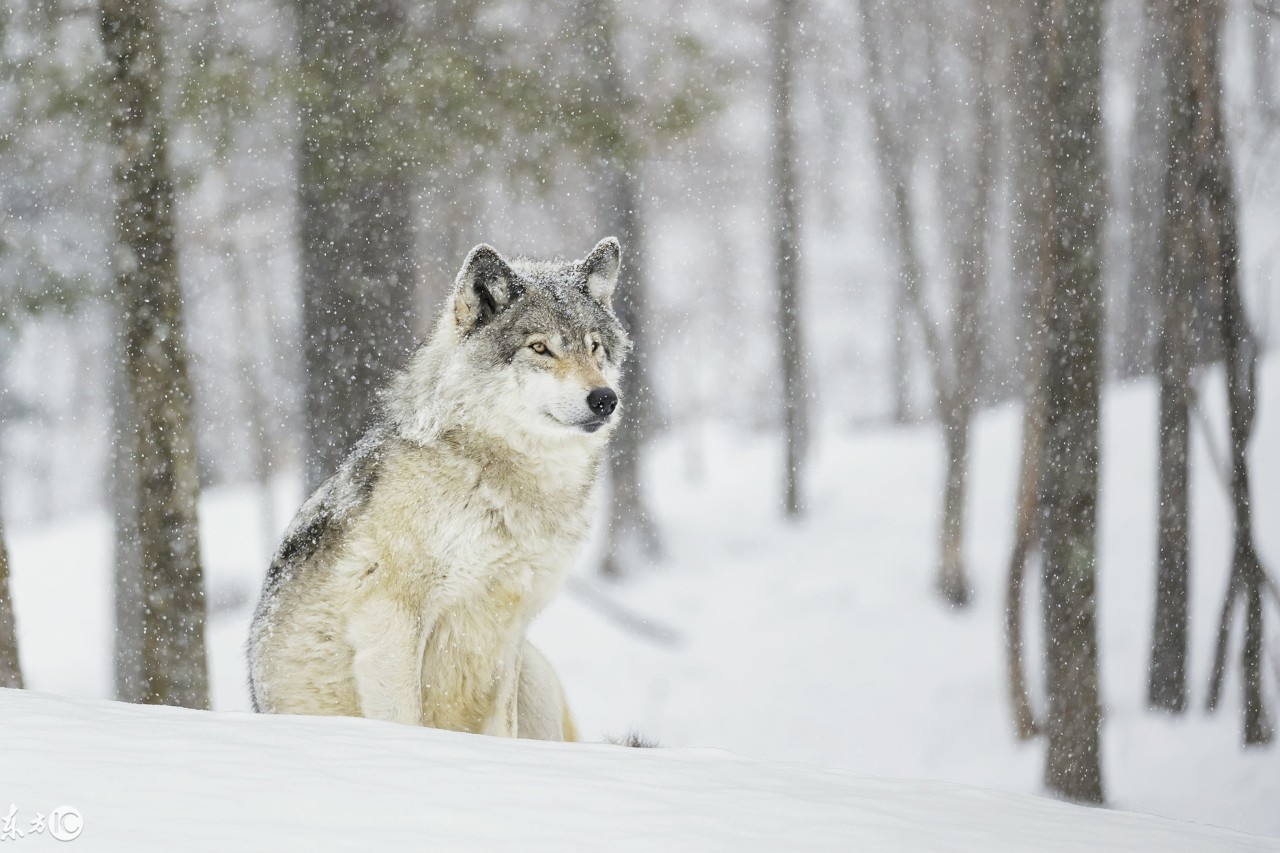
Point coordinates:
[[485, 287], [601, 270]]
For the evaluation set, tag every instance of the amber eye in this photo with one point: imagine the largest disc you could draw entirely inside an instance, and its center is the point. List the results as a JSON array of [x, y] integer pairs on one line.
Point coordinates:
[[539, 347]]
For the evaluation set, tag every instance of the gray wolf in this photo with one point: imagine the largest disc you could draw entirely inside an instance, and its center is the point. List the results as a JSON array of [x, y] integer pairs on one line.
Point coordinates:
[[405, 584]]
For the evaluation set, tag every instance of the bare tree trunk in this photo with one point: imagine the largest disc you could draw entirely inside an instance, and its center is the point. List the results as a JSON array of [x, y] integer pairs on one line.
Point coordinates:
[[1068, 42], [1028, 510], [1264, 74], [10, 666], [786, 236], [1030, 222], [972, 227], [1219, 235], [357, 241], [1179, 267], [1139, 316], [173, 654], [892, 161], [126, 556], [633, 535]]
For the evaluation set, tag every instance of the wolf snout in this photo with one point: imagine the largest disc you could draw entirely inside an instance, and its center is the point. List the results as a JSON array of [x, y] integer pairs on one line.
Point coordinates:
[[602, 401]]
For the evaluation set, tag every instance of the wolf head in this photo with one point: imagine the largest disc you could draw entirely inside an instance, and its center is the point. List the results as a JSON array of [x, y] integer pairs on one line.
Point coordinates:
[[523, 349]]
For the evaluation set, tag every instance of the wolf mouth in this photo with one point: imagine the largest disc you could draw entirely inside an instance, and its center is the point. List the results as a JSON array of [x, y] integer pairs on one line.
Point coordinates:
[[588, 425]]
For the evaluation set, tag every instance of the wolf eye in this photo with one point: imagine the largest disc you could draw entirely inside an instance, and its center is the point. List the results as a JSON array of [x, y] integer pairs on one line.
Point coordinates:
[[595, 347], [539, 347]]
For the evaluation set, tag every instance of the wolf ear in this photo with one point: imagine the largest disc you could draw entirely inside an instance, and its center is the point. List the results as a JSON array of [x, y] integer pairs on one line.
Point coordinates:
[[485, 287], [600, 270]]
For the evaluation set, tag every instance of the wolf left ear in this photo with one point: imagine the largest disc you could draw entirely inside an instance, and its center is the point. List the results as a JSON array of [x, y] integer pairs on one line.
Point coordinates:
[[600, 269], [486, 285]]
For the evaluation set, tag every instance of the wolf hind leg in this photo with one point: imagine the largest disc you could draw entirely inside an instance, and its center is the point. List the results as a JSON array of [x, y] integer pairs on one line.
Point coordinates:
[[386, 664]]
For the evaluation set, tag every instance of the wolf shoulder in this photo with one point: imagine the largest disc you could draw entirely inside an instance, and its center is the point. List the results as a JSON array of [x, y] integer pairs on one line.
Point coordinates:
[[323, 521]]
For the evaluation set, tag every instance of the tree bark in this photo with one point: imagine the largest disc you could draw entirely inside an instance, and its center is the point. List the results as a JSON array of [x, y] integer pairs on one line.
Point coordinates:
[[355, 204], [174, 669], [1068, 42], [633, 536], [126, 557], [10, 666], [1179, 267], [786, 239]]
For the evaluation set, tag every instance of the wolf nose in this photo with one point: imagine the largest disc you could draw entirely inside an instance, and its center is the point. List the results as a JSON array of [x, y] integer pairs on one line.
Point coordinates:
[[602, 401]]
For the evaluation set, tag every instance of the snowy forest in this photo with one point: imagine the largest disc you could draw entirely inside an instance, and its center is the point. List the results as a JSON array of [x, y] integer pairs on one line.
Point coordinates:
[[951, 435]]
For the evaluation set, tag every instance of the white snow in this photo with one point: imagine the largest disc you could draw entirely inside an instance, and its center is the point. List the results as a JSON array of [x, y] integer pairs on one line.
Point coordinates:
[[819, 642], [145, 778]]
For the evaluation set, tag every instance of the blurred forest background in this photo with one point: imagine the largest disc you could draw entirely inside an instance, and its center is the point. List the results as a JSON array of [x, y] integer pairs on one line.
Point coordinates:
[[223, 223]]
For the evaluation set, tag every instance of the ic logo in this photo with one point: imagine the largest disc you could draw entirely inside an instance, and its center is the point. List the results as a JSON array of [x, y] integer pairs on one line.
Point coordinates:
[[66, 823]]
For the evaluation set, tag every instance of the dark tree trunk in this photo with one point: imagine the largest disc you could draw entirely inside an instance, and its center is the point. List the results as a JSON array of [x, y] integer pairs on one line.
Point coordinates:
[[633, 535], [174, 671], [786, 248], [1219, 235], [355, 204], [1068, 42], [1179, 267], [10, 667]]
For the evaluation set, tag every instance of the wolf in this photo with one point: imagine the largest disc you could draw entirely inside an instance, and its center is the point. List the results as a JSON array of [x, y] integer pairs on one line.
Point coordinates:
[[405, 584]]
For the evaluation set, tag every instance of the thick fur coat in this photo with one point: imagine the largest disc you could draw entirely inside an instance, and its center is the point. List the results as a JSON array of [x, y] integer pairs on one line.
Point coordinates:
[[404, 586]]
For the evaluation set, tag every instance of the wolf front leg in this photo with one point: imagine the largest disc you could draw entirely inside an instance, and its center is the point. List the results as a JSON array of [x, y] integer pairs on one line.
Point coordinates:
[[387, 661]]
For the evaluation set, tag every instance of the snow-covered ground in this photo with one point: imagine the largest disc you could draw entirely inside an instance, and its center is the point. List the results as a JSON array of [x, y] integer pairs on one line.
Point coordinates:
[[142, 778], [818, 642]]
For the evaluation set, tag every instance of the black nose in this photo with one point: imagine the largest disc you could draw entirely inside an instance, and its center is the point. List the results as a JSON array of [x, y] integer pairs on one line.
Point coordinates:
[[602, 401]]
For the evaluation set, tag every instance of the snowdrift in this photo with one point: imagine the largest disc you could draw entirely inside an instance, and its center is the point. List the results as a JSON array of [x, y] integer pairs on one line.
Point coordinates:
[[147, 778]]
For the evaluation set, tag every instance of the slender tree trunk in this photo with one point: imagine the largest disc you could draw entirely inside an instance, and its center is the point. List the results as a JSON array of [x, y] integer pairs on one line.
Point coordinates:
[[972, 226], [891, 159], [355, 204], [10, 667], [786, 237], [1069, 38], [633, 535], [1028, 510], [1179, 267], [167, 487], [1219, 234], [1027, 178], [1264, 73]]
